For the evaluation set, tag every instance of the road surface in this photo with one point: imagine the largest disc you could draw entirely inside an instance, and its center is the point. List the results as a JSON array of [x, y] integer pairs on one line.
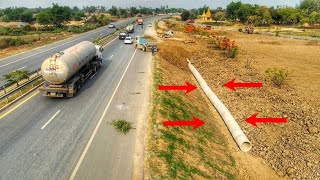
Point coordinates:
[[44, 138], [31, 60]]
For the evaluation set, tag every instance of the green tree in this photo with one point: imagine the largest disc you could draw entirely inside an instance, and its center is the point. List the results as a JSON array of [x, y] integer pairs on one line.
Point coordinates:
[[60, 14], [123, 12], [44, 18], [4, 18], [220, 16], [310, 5], [185, 15], [245, 11], [133, 11], [114, 11], [314, 17], [16, 76], [288, 15], [232, 10]]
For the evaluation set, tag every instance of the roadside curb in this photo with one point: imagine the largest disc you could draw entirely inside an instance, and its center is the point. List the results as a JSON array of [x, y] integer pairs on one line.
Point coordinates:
[[20, 97]]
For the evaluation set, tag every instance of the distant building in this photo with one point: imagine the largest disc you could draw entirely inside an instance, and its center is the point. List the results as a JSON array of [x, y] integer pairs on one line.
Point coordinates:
[[206, 16]]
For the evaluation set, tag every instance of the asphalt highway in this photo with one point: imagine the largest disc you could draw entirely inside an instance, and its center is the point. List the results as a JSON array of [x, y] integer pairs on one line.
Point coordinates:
[[31, 60], [44, 138]]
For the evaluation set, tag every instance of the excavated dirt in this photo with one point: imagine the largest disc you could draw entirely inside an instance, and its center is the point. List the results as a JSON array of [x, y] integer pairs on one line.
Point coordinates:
[[291, 149]]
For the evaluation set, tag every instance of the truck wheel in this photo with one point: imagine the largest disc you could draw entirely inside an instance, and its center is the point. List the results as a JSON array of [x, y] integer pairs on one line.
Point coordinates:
[[94, 69], [75, 88]]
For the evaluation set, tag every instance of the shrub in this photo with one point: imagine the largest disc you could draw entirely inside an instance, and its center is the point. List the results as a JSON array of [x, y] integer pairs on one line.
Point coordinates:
[[28, 28], [240, 30], [232, 53], [16, 76], [122, 126], [278, 75], [11, 42], [12, 31]]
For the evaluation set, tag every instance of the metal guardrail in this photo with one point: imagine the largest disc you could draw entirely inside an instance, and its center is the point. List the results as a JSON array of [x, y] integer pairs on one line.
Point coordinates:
[[9, 89]]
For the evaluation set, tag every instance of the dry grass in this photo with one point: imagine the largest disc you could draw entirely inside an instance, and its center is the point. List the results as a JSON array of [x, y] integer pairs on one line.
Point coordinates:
[[183, 153]]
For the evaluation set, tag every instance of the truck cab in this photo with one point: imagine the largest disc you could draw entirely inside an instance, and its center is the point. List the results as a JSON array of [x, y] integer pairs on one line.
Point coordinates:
[[99, 51]]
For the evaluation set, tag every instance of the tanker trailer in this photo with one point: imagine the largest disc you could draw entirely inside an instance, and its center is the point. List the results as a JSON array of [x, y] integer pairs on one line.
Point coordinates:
[[66, 71], [130, 28]]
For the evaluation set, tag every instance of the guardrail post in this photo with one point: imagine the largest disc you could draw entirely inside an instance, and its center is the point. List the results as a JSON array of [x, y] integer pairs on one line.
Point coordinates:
[[4, 90]]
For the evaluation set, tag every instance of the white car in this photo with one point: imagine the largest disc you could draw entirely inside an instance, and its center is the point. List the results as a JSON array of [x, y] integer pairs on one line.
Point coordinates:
[[111, 25], [128, 40]]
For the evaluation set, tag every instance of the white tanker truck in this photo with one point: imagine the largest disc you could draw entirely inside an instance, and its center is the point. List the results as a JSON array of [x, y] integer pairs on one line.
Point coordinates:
[[65, 72]]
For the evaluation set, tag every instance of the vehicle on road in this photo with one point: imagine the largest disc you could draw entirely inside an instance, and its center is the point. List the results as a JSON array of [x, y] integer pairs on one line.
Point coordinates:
[[66, 71], [111, 25], [128, 40], [130, 28], [146, 44], [122, 35], [140, 21]]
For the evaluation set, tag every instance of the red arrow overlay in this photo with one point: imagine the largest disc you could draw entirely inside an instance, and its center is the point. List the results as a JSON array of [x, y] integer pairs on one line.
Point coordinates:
[[254, 120], [232, 85], [195, 123], [188, 88]]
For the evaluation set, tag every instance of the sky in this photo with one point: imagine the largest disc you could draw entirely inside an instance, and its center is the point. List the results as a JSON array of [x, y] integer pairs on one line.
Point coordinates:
[[188, 4]]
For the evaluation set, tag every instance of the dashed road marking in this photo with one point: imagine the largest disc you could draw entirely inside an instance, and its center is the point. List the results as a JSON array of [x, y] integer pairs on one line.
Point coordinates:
[[45, 125]]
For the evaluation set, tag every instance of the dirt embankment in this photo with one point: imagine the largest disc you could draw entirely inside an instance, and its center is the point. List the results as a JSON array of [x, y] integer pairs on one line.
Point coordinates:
[[292, 149]]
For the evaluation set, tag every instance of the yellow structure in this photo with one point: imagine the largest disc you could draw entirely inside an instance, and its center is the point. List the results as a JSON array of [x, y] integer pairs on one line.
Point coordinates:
[[206, 16]]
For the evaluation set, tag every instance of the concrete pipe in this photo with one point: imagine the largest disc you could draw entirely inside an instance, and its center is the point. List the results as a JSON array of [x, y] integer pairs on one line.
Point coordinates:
[[235, 130]]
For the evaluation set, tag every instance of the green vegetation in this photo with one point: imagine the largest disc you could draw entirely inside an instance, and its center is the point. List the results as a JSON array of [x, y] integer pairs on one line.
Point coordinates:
[[11, 42], [307, 12], [278, 75], [16, 76], [182, 152], [122, 126], [232, 52]]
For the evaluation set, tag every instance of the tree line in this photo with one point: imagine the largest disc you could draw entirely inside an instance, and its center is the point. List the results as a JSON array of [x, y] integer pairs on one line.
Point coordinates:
[[57, 15], [308, 11]]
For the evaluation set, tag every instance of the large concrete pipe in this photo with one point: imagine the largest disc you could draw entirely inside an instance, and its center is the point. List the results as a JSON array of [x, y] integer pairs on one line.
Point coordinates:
[[235, 130]]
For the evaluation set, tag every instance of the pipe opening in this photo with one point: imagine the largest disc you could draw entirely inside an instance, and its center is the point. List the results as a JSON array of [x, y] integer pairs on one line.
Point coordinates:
[[246, 146]]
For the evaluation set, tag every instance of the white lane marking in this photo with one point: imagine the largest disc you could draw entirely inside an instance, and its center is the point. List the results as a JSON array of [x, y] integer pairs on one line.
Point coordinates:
[[44, 126], [99, 123], [93, 75], [111, 56], [21, 68], [81, 37], [121, 46]]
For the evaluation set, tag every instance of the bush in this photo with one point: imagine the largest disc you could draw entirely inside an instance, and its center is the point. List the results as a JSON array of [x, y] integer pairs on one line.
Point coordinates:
[[28, 28], [12, 32], [16, 76], [11, 42], [122, 126], [240, 30], [81, 29], [232, 53], [278, 75]]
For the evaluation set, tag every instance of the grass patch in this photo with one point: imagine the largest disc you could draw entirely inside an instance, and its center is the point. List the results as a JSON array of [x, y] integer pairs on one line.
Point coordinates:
[[180, 152], [122, 126]]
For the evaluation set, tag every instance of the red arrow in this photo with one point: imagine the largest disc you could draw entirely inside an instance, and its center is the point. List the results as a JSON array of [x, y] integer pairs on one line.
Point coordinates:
[[254, 120], [232, 85], [195, 123], [188, 88]]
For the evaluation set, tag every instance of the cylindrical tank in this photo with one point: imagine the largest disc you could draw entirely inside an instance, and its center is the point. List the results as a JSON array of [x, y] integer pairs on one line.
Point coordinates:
[[60, 67]]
